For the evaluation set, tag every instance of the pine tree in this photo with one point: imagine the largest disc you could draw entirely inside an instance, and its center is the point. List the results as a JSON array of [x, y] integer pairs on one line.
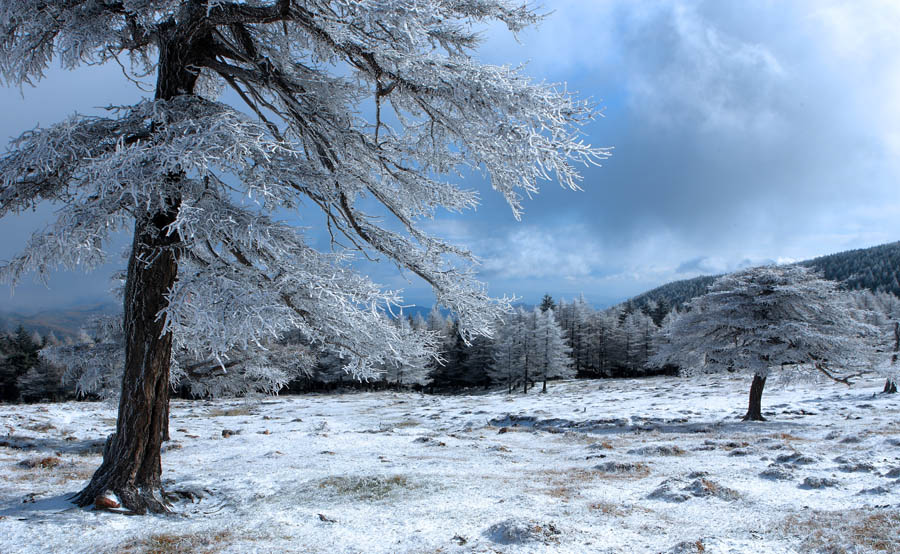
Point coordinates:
[[547, 303], [19, 355], [217, 276]]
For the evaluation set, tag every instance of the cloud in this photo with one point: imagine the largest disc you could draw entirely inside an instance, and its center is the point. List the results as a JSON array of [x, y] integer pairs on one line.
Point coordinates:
[[534, 253], [706, 265], [696, 74]]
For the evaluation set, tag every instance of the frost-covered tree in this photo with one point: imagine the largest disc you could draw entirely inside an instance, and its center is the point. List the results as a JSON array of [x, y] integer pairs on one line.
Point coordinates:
[[508, 354], [773, 318], [95, 359], [406, 372], [219, 275], [530, 346], [574, 317], [882, 309], [638, 331], [552, 354], [94, 362]]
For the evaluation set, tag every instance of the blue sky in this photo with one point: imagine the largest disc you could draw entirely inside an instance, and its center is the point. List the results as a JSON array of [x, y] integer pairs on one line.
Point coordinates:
[[744, 132]]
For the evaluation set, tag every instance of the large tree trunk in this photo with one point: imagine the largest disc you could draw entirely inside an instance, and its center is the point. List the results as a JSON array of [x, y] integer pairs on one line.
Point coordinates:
[[131, 467], [890, 386], [754, 410]]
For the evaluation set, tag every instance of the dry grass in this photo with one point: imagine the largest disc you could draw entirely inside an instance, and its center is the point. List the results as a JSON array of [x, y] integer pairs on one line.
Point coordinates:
[[366, 488], [406, 423], [48, 462], [53, 469], [566, 484], [787, 437], [230, 412], [845, 531], [168, 543], [40, 427], [609, 509]]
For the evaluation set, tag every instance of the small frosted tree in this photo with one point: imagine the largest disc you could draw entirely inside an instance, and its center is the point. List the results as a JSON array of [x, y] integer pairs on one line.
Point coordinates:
[[508, 353], [553, 355], [882, 309], [773, 318], [219, 276], [406, 372]]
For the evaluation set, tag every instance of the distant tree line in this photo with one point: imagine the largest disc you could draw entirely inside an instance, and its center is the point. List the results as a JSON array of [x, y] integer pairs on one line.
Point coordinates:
[[24, 375], [528, 348]]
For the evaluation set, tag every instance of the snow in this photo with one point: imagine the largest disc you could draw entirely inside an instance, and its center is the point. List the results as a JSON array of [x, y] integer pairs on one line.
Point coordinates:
[[652, 465]]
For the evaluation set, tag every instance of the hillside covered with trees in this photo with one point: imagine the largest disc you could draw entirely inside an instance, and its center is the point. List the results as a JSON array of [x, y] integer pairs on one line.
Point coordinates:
[[876, 269]]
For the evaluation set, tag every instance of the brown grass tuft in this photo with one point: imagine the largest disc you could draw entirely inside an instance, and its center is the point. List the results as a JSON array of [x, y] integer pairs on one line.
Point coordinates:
[[48, 462], [230, 412], [168, 543], [845, 531]]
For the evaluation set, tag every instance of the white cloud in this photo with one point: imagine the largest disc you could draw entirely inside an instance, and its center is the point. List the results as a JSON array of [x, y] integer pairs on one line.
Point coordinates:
[[532, 253]]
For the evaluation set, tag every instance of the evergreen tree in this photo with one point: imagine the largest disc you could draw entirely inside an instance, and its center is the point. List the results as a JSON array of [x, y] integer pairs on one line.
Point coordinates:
[[547, 303], [18, 354]]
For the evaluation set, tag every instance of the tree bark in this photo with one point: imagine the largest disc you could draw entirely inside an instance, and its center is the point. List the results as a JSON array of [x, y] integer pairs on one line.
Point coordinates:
[[132, 467], [754, 410]]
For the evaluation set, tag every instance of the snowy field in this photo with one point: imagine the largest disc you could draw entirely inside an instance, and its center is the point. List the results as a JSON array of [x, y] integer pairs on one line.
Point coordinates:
[[655, 465]]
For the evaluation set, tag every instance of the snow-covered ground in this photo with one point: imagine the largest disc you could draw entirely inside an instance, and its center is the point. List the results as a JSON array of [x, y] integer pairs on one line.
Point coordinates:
[[654, 465]]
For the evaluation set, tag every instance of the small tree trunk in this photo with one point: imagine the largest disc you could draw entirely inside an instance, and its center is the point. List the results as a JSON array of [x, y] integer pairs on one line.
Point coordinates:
[[754, 410], [131, 467], [890, 386], [544, 387]]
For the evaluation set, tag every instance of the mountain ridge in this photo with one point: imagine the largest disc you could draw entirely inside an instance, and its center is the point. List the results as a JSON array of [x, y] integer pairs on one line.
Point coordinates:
[[876, 268]]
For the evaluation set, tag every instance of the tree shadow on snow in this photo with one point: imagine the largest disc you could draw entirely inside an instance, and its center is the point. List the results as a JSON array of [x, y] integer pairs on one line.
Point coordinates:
[[68, 446], [31, 507], [635, 425]]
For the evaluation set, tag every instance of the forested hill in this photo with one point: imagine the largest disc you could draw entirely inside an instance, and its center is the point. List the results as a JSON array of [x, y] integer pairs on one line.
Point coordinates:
[[876, 268], [676, 293]]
